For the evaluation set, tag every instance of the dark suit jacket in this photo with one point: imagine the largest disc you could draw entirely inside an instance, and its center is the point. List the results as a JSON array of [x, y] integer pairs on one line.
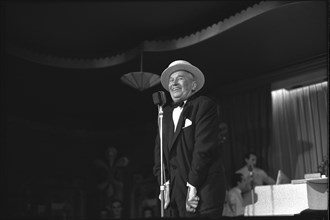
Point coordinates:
[[192, 154]]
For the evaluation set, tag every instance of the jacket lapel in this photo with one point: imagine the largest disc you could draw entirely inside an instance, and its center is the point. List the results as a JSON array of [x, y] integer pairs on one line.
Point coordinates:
[[179, 126]]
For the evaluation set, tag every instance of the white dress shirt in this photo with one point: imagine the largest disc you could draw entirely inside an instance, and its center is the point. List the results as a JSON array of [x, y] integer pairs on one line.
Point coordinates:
[[234, 205], [176, 114]]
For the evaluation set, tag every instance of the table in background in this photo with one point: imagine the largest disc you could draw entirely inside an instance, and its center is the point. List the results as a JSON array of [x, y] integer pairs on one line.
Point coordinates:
[[289, 199]]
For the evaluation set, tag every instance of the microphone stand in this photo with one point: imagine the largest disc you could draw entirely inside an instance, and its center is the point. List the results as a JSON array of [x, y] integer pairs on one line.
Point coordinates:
[[252, 192], [159, 98], [162, 172]]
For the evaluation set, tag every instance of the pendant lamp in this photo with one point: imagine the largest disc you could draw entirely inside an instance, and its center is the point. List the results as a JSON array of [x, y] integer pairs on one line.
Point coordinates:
[[141, 80]]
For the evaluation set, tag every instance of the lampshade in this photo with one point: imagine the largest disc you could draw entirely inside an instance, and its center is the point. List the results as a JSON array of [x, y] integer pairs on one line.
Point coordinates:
[[141, 80]]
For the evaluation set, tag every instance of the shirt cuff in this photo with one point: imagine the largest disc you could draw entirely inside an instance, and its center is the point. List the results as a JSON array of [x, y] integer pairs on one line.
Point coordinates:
[[190, 186]]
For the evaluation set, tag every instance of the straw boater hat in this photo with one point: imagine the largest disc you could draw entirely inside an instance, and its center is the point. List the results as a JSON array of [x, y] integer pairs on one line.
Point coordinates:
[[186, 66]]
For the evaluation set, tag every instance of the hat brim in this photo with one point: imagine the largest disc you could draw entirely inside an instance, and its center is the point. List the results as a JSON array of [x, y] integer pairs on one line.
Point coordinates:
[[198, 75]]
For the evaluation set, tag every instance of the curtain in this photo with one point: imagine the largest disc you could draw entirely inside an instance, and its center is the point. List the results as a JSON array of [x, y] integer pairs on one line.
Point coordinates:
[[247, 114], [300, 130]]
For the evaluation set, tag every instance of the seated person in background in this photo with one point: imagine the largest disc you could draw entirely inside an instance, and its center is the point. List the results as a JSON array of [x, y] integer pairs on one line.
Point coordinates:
[[116, 209], [235, 205], [148, 212], [254, 175]]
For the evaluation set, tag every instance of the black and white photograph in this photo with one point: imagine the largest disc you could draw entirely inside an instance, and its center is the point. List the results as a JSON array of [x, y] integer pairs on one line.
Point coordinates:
[[164, 109]]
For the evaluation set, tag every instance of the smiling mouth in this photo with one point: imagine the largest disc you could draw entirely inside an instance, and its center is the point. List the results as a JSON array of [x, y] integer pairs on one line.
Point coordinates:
[[175, 89]]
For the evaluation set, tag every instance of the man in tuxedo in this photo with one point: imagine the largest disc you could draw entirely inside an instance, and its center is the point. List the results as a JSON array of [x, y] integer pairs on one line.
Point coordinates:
[[194, 173]]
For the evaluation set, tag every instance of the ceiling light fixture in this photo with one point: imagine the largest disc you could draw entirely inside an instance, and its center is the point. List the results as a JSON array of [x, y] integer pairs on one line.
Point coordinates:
[[141, 80]]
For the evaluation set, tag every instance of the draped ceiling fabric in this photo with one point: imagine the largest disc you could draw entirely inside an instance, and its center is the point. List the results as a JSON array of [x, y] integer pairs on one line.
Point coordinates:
[[148, 46]]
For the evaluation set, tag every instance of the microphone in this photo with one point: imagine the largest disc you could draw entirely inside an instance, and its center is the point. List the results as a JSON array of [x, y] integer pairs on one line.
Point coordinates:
[[251, 175], [159, 98], [250, 170]]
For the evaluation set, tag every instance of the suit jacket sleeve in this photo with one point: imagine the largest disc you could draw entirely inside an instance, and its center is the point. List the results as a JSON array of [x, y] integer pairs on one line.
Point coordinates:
[[206, 146]]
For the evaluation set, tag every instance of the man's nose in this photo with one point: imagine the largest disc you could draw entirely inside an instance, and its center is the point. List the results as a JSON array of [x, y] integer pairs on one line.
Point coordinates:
[[175, 81]]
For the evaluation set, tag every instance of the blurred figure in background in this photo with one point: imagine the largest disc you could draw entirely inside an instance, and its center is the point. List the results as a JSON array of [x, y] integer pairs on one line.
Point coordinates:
[[148, 212], [235, 205], [255, 176], [116, 209]]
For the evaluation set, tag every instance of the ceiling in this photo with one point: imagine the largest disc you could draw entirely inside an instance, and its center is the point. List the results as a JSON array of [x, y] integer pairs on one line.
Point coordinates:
[[92, 105], [95, 29], [96, 99]]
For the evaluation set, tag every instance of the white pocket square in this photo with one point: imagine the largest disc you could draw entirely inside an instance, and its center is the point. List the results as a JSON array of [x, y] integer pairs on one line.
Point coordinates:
[[187, 123]]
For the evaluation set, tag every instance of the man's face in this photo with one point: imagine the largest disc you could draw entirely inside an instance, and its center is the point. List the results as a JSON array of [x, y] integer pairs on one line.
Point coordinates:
[[243, 185], [116, 208], [181, 85], [252, 161]]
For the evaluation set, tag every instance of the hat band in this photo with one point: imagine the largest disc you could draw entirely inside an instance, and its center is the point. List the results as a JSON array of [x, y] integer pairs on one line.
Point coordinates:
[[183, 70]]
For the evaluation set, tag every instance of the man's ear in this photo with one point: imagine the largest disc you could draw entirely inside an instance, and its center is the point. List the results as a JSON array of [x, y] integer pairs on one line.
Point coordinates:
[[194, 85]]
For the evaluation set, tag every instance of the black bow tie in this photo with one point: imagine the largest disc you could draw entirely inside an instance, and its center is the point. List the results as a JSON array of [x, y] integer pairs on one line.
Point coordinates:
[[176, 104]]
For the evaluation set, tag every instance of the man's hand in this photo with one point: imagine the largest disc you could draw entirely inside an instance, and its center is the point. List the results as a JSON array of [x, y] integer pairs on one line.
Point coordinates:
[[192, 199], [166, 195]]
